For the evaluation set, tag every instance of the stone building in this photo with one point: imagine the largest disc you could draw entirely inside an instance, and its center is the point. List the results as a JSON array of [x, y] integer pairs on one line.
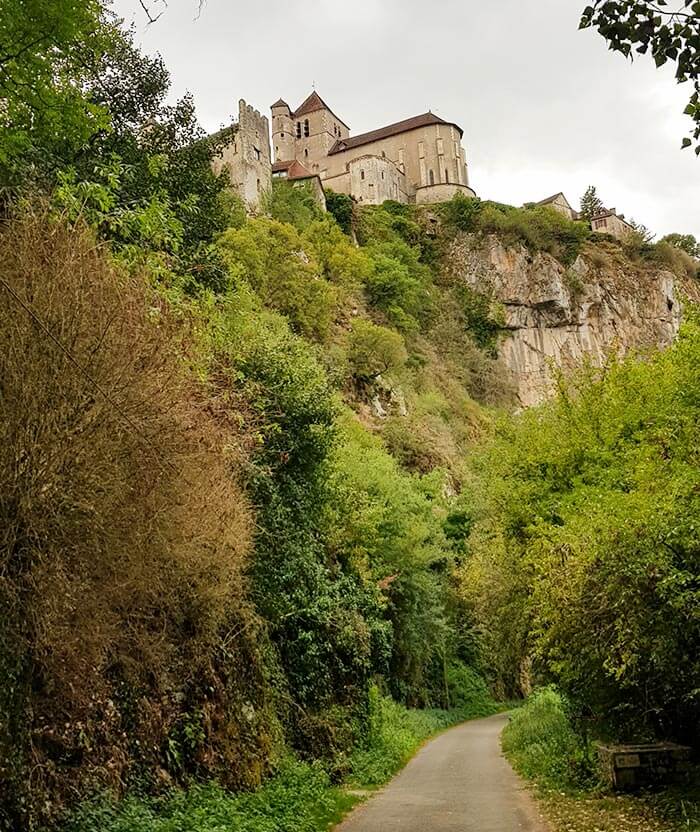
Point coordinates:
[[561, 204], [610, 222], [420, 159], [247, 156], [297, 174]]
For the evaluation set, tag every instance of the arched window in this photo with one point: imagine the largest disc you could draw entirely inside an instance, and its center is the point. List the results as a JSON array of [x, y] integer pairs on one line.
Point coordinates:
[[298, 129], [306, 127], [362, 174], [447, 176], [306, 152], [431, 177]]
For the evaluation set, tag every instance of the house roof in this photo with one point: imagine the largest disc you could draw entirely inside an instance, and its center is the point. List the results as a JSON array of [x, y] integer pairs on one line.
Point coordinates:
[[610, 212], [294, 168], [312, 104], [279, 103], [553, 199], [423, 120]]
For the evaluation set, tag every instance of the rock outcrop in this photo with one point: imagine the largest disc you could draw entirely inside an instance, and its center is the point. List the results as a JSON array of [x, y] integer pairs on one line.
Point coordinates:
[[557, 316]]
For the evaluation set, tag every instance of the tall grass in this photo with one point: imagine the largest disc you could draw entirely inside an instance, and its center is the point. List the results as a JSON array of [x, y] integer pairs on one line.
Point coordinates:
[[542, 744]]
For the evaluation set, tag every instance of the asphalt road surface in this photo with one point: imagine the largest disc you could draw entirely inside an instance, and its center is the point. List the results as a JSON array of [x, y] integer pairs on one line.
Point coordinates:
[[458, 782]]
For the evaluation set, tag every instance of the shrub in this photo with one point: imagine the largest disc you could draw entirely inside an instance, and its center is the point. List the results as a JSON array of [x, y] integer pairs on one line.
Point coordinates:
[[677, 260], [271, 256], [123, 544], [541, 229], [373, 350], [292, 203], [340, 206], [542, 745], [462, 212]]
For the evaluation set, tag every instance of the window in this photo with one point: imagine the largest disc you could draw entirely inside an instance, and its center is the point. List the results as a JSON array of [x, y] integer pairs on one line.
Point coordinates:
[[306, 152], [281, 135], [440, 147], [447, 176], [256, 153], [362, 174], [431, 177], [383, 155], [306, 127], [382, 174], [298, 129], [421, 150], [277, 151], [258, 186]]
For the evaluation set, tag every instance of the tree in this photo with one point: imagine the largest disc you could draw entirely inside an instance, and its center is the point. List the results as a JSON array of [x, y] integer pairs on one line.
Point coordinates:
[[45, 105], [645, 235], [591, 204], [685, 242], [374, 350], [669, 34]]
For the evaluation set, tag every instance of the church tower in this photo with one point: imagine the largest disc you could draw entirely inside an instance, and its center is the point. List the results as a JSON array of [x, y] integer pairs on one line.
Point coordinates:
[[282, 132]]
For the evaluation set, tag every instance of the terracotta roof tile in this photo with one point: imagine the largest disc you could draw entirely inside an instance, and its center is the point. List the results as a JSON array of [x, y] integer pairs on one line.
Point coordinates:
[[423, 120]]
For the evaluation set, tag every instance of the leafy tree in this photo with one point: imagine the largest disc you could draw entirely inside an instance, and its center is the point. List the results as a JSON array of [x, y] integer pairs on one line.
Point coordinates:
[[669, 34], [293, 203], [462, 212], [374, 350], [685, 242], [591, 203], [340, 206], [645, 235], [47, 109], [271, 257]]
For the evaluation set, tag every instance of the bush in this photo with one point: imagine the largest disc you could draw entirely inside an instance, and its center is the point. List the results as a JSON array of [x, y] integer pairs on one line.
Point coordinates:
[[293, 203], [540, 229], [676, 259], [124, 539], [271, 257], [373, 350], [299, 797], [340, 206], [542, 745], [462, 212]]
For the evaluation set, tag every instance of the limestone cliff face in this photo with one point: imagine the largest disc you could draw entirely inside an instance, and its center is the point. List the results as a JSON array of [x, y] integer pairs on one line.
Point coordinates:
[[556, 316]]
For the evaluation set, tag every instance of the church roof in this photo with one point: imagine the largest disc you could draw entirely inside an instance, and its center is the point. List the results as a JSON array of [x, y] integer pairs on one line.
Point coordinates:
[[423, 120], [312, 104], [280, 103]]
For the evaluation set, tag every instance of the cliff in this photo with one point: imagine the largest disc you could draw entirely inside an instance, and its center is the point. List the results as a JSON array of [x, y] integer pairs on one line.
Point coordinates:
[[555, 316]]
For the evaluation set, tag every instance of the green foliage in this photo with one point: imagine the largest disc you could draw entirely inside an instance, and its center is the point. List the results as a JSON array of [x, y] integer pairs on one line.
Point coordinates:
[[483, 318], [591, 203], [685, 242], [293, 203], [461, 212], [541, 229], [373, 350], [340, 206], [271, 257], [342, 262], [589, 529], [542, 745], [668, 35], [299, 797], [677, 259], [399, 284], [46, 51]]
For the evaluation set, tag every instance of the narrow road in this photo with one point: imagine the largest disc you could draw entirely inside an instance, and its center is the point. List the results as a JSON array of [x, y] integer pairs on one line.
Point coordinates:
[[458, 782]]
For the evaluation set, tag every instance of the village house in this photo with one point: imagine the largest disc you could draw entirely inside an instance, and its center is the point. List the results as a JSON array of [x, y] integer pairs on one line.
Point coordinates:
[[610, 222], [561, 204]]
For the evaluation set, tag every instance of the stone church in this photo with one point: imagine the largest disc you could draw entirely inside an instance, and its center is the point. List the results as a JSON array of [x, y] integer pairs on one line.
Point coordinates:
[[419, 159]]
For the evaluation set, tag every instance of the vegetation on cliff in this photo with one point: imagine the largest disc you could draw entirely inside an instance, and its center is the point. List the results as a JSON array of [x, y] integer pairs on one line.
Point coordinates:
[[249, 551]]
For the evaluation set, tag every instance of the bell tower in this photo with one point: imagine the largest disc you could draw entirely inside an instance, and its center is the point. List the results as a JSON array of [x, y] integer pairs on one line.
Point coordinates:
[[282, 132]]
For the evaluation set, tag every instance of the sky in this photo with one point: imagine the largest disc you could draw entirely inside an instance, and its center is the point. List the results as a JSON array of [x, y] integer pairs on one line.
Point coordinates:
[[544, 107]]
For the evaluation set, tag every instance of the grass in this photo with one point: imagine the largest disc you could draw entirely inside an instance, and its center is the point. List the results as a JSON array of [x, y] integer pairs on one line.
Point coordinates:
[[543, 747], [301, 796]]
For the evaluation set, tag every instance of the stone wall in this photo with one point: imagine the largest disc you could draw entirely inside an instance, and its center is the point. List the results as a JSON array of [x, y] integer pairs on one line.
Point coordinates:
[[374, 179], [247, 157], [441, 193]]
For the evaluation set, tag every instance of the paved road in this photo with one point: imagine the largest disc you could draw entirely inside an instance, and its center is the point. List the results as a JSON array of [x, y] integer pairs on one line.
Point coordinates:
[[458, 782]]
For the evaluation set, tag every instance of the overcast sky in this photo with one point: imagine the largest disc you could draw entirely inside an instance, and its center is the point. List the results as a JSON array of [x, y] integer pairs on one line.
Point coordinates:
[[544, 107]]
